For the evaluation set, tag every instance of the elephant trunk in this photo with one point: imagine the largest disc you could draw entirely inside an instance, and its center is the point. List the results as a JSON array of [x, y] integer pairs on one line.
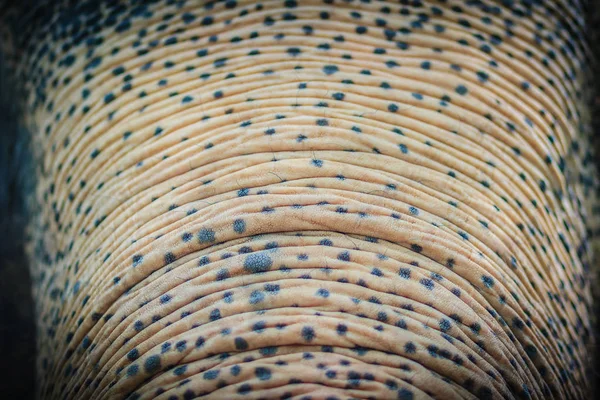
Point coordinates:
[[299, 199]]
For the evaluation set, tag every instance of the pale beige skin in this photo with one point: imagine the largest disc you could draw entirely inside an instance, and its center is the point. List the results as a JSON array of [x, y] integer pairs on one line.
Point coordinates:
[[306, 200]]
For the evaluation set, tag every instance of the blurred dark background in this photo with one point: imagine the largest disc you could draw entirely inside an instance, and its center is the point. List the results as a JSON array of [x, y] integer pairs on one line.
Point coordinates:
[[17, 331]]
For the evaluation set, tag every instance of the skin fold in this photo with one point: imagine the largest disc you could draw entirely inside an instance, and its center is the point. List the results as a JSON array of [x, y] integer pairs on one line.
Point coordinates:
[[309, 199]]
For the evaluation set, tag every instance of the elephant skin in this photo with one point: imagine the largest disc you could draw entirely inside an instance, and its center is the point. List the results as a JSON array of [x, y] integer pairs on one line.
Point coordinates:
[[309, 199]]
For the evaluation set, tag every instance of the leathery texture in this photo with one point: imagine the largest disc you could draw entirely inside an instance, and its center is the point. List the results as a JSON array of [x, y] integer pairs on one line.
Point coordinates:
[[311, 199]]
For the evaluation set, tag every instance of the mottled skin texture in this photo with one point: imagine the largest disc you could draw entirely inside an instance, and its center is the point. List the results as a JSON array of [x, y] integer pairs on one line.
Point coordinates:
[[310, 199]]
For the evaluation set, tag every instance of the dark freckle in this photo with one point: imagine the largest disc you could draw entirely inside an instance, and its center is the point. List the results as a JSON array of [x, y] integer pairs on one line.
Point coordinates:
[[137, 260], [152, 364], [241, 343], [206, 235], [258, 262], [170, 258], [428, 283], [181, 345], [444, 325], [293, 51], [165, 299], [488, 281], [188, 17], [165, 347], [118, 71], [339, 96], [308, 333], [404, 273], [239, 226], [180, 370], [256, 297], [133, 370], [133, 355], [244, 389], [211, 375], [317, 163], [262, 373], [215, 314], [330, 69], [410, 348], [109, 98], [138, 326], [416, 248]]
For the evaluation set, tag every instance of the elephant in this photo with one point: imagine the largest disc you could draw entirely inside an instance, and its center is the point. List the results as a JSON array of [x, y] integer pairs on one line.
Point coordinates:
[[309, 199]]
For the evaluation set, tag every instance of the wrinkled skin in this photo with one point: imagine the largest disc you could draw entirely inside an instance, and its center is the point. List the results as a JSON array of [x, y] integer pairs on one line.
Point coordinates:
[[310, 199]]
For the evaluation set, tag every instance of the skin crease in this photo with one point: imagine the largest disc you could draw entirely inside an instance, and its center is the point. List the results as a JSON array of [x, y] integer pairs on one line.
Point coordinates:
[[310, 199]]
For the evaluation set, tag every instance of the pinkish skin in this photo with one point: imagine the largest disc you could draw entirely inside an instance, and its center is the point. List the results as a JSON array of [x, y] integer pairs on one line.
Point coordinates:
[[309, 199]]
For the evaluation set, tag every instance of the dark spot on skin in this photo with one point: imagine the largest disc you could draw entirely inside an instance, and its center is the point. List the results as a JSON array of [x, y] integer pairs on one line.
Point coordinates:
[[461, 89], [427, 283], [133, 355], [211, 375], [170, 258], [137, 260], [244, 389], [256, 297], [180, 370], [258, 262], [133, 370], [488, 281], [181, 346], [404, 273], [330, 69], [308, 333], [240, 343], [416, 248], [165, 299], [152, 364], [404, 394], [239, 226], [206, 235]]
